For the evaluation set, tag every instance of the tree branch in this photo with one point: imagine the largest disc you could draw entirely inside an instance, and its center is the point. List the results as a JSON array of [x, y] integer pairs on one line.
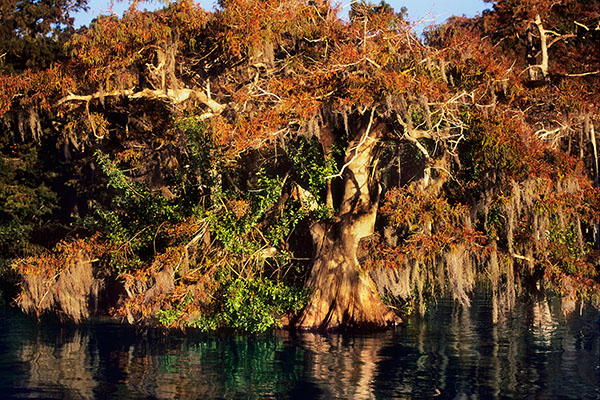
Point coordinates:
[[173, 95], [561, 37], [544, 46], [356, 148], [583, 74], [97, 95]]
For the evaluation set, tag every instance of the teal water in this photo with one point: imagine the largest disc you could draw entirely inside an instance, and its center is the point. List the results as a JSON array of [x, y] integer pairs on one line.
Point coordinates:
[[451, 354]]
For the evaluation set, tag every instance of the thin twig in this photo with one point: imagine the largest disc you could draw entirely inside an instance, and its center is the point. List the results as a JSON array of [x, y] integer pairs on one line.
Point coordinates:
[[583, 74]]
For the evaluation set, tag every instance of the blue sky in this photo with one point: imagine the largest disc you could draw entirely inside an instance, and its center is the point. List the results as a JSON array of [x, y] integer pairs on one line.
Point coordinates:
[[433, 11]]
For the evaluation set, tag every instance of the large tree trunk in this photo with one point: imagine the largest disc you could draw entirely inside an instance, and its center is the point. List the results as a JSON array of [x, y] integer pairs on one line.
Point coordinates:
[[344, 295]]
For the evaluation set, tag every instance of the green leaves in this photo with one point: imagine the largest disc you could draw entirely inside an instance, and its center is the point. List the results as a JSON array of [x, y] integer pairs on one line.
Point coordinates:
[[251, 305], [311, 166], [237, 222], [27, 196], [131, 220], [170, 317], [32, 32]]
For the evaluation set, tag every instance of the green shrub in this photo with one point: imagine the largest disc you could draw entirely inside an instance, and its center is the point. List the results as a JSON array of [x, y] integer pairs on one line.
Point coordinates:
[[251, 305]]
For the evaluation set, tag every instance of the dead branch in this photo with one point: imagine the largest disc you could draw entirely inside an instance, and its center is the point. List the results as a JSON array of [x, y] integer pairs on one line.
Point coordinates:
[[543, 66], [97, 95], [551, 135], [561, 37], [520, 257], [174, 96], [583, 74]]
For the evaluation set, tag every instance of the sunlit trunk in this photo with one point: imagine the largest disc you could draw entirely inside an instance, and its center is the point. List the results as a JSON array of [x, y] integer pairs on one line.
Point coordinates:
[[343, 294]]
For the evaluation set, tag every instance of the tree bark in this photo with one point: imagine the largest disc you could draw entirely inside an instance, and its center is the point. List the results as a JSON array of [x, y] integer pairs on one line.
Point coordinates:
[[589, 127], [343, 294], [544, 46]]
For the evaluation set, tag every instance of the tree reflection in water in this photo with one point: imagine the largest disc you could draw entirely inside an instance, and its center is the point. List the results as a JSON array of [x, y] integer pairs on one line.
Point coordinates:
[[343, 367], [63, 368], [452, 353]]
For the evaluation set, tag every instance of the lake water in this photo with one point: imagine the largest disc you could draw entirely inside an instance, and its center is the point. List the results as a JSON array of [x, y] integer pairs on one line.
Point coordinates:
[[451, 354]]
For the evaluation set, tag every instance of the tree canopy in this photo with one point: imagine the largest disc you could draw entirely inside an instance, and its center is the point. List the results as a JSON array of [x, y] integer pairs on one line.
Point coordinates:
[[33, 33], [229, 168]]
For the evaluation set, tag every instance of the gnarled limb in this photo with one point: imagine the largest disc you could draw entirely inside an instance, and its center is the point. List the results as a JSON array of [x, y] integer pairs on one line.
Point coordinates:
[[174, 96]]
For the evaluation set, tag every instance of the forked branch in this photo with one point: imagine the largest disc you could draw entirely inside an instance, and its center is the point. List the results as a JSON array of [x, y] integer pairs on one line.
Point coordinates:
[[356, 148]]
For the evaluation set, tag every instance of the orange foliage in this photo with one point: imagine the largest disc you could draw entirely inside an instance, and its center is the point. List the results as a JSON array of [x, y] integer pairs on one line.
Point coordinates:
[[261, 71]]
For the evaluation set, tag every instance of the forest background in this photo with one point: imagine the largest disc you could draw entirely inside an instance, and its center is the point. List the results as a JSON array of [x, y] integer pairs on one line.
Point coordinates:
[[268, 164]]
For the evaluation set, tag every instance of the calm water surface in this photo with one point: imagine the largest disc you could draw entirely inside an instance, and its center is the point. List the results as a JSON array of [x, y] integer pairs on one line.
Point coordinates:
[[451, 354]]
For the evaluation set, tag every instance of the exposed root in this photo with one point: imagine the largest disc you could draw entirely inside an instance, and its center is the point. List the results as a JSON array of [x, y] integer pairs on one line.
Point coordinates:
[[344, 298]]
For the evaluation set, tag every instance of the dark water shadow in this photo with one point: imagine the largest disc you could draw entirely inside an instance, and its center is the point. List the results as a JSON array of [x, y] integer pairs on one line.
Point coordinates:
[[453, 353]]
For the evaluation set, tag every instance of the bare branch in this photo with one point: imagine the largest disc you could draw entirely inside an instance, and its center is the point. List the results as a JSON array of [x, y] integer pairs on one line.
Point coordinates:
[[173, 95], [409, 134], [372, 62], [561, 37], [265, 93], [581, 25], [520, 257], [544, 46], [97, 95], [583, 74]]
